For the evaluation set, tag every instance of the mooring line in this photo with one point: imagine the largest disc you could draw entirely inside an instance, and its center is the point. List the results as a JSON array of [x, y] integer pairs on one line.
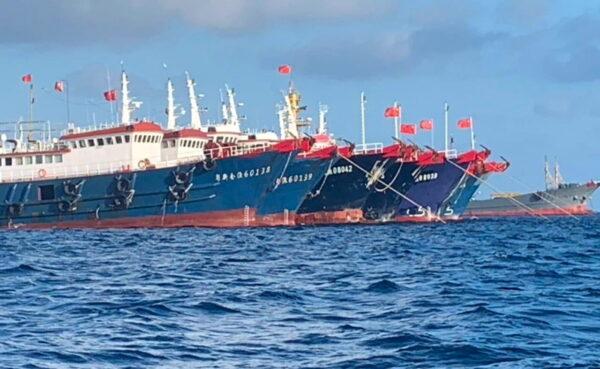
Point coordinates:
[[543, 198], [529, 210], [391, 188]]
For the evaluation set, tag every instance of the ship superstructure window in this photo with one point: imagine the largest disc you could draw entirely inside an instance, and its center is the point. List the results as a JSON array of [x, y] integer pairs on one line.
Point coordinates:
[[28, 160], [8, 162], [118, 140], [48, 159], [127, 138], [91, 142], [165, 144], [39, 159], [74, 144], [58, 158], [109, 140], [46, 193], [100, 142], [82, 143], [18, 160]]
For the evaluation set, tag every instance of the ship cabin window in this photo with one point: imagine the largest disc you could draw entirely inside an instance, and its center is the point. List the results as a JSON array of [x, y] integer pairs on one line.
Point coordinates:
[[48, 159], [91, 142], [109, 140], [18, 160], [118, 140], [28, 160], [219, 139], [165, 144], [127, 138], [74, 144], [46, 193], [58, 158], [172, 143], [100, 142], [39, 159], [8, 162], [136, 138], [82, 143]]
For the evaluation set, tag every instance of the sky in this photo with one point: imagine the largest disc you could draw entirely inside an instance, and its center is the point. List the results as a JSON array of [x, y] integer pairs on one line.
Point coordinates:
[[527, 71]]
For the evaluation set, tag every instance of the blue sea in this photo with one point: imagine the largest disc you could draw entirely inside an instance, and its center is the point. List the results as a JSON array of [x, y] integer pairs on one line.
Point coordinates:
[[521, 293]]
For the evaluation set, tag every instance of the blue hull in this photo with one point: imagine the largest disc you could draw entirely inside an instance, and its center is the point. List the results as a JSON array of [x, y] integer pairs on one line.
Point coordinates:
[[384, 200], [459, 204], [187, 195], [433, 188], [340, 196], [292, 185]]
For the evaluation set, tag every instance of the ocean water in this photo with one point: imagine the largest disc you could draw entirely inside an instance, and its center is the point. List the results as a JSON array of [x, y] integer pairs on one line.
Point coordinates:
[[497, 294]]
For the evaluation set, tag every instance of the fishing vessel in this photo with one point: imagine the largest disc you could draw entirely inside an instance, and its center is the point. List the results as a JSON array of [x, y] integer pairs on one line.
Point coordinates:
[[558, 199], [280, 203], [135, 174], [478, 173]]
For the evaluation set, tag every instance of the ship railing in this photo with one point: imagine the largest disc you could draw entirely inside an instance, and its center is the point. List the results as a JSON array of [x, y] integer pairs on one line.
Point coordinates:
[[369, 148], [450, 154], [61, 170]]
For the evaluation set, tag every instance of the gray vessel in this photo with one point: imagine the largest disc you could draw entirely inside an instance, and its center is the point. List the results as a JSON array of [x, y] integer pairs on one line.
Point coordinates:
[[559, 199]]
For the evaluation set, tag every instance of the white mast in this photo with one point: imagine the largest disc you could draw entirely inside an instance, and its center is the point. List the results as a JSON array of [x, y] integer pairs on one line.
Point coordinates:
[[446, 108], [472, 133], [550, 184], [171, 117], [323, 109], [224, 110], [281, 112], [363, 102], [195, 122], [292, 118], [125, 100], [233, 114], [558, 179], [396, 119]]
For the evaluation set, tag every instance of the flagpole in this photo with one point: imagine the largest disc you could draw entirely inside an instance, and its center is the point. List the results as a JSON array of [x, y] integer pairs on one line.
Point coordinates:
[[363, 101], [67, 88], [31, 102], [446, 108], [472, 134], [110, 102], [432, 138], [396, 118]]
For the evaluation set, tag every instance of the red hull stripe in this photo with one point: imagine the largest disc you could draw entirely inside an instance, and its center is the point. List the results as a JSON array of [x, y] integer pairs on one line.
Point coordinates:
[[575, 210], [331, 217]]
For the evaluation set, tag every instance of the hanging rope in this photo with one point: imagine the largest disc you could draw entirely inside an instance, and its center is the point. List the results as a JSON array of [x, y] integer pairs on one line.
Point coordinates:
[[278, 181], [519, 203], [327, 174], [437, 217]]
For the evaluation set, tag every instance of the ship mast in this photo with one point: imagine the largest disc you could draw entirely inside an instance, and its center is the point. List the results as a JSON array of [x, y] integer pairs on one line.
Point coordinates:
[[195, 120], [233, 114], [125, 100], [550, 181], [323, 109], [558, 179], [171, 117]]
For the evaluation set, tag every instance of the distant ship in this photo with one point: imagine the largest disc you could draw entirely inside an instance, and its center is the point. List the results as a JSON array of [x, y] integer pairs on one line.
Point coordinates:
[[558, 199]]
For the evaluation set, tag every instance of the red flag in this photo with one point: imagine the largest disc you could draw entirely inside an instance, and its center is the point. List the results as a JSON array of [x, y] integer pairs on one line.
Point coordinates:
[[110, 95], [285, 69], [465, 123], [408, 129], [59, 86], [426, 124], [27, 79], [392, 112]]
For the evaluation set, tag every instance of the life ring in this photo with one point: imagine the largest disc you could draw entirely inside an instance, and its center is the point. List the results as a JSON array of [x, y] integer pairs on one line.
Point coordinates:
[[70, 189], [142, 164], [42, 173]]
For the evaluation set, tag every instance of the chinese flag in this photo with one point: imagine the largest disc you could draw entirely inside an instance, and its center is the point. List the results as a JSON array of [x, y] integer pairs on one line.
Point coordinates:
[[285, 69], [27, 79], [408, 129], [110, 95], [392, 112], [426, 124], [465, 123], [59, 86]]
